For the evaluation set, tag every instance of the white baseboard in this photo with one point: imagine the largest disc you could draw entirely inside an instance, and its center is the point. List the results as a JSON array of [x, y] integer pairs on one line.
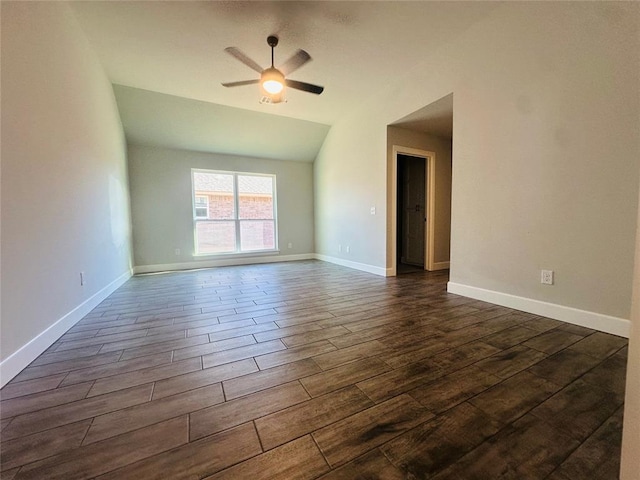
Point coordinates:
[[382, 271], [17, 361], [221, 262], [584, 318]]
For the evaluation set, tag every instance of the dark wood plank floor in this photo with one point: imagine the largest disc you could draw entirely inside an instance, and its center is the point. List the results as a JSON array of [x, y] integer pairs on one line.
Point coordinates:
[[309, 370]]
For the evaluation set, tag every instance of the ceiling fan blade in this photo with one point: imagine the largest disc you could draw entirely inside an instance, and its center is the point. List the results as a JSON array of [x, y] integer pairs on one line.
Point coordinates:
[[241, 83], [305, 87], [244, 59], [295, 62]]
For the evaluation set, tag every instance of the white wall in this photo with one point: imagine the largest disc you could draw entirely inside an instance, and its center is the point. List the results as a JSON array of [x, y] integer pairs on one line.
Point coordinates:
[[65, 206], [162, 212], [442, 218], [545, 163], [630, 465]]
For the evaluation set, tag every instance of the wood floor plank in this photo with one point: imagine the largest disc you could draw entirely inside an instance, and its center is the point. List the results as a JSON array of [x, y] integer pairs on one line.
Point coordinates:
[[511, 361], [342, 376], [510, 337], [542, 324], [235, 412], [263, 379], [563, 367], [599, 345], [407, 353], [205, 457], [609, 375], [297, 460], [101, 457], [285, 332], [86, 342], [201, 378], [300, 316], [49, 369], [511, 399], [400, 380], [24, 450], [578, 409], [339, 357], [599, 455], [167, 346], [28, 387], [355, 435], [240, 353], [360, 337], [110, 369], [314, 336], [431, 446], [552, 341], [138, 416], [212, 347], [75, 411], [149, 326], [141, 341], [293, 354], [372, 465], [298, 420], [222, 327], [282, 318], [239, 332], [139, 377], [454, 388], [528, 449], [4, 423], [464, 355], [39, 401], [75, 354]]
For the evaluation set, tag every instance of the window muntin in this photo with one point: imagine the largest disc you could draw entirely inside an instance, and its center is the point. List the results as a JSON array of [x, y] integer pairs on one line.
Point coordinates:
[[240, 212], [201, 206]]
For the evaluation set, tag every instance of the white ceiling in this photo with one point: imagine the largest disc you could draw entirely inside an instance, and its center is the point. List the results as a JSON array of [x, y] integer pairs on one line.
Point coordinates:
[[151, 118], [436, 118], [177, 48]]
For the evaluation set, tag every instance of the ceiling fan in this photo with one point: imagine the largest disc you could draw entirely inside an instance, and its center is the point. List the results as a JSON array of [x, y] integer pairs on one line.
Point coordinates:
[[272, 80]]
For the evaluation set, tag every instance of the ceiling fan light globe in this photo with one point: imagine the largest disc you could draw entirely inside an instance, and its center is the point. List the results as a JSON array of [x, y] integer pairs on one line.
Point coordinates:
[[272, 86]]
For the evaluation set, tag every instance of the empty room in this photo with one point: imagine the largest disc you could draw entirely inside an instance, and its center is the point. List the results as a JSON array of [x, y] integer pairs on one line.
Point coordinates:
[[320, 240]]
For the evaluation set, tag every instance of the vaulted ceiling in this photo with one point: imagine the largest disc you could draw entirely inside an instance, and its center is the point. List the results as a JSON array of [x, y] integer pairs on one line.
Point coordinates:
[[167, 61]]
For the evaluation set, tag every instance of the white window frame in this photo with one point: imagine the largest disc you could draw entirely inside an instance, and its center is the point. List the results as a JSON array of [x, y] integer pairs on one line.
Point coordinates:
[[237, 251]]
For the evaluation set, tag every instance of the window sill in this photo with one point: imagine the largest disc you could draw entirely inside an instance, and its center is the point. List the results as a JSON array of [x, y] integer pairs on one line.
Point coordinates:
[[260, 253]]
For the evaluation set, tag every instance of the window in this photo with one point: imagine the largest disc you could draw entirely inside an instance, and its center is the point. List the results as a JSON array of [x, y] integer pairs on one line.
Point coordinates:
[[233, 212], [202, 206]]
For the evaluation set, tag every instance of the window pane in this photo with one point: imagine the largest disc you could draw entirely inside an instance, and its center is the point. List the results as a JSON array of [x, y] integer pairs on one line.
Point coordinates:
[[257, 235], [215, 237], [218, 189], [255, 197]]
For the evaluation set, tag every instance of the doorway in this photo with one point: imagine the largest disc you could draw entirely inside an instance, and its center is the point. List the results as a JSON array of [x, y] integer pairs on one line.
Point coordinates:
[[411, 213], [413, 206]]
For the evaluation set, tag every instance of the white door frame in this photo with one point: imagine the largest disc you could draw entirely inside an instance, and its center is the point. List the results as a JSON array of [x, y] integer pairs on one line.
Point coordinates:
[[430, 197]]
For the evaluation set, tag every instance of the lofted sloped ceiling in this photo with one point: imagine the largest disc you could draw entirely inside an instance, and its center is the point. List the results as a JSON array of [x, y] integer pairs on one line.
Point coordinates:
[[435, 119], [151, 118], [168, 58]]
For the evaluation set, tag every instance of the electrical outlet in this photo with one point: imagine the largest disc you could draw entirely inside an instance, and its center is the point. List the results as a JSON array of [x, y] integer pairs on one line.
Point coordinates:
[[373, 210], [177, 250], [546, 277], [339, 248], [289, 245], [348, 249]]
